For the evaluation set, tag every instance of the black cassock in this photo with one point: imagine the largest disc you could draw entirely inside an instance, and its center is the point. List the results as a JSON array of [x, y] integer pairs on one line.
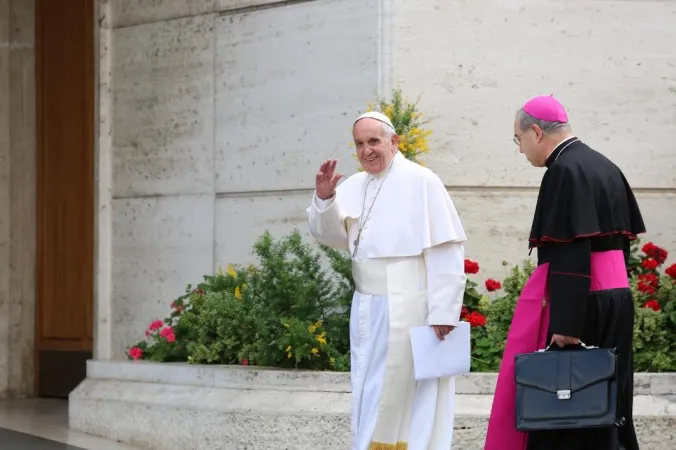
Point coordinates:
[[585, 205]]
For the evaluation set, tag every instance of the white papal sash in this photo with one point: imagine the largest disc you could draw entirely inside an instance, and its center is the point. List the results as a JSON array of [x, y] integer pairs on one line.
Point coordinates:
[[399, 279]]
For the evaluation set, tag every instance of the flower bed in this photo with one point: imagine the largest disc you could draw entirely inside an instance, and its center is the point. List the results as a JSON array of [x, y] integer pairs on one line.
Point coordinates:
[[291, 312]]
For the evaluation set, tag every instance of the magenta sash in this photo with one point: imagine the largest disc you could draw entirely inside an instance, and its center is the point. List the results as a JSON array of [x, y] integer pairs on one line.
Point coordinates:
[[528, 333]]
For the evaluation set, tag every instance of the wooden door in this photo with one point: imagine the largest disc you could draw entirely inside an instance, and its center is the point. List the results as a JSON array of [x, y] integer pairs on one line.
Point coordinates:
[[64, 55]]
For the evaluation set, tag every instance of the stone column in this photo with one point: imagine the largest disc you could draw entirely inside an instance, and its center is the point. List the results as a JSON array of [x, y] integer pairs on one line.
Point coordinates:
[[104, 172], [17, 197]]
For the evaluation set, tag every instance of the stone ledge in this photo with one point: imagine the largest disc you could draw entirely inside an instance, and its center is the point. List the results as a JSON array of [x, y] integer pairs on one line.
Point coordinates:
[[261, 377], [180, 406]]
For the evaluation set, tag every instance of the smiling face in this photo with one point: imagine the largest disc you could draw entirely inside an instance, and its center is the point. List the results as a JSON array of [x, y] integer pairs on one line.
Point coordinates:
[[375, 147]]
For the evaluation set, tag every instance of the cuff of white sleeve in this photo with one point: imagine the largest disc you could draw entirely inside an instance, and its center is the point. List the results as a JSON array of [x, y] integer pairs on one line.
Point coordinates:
[[444, 318], [322, 205]]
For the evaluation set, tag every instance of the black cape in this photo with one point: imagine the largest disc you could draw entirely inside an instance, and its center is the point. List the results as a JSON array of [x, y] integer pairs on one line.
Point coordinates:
[[583, 194]]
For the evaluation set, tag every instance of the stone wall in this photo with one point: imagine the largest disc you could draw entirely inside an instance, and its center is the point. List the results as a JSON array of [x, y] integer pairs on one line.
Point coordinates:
[[17, 197], [215, 114], [474, 62]]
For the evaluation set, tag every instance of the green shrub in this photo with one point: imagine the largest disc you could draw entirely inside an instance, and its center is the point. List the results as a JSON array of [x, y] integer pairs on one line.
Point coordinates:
[[285, 312], [489, 341], [289, 311]]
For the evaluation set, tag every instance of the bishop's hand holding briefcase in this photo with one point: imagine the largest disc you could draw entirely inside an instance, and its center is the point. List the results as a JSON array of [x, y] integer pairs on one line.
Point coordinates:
[[566, 388]]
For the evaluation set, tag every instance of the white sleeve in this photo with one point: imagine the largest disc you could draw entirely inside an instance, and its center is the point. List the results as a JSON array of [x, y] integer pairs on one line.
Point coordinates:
[[327, 225], [445, 264], [320, 204]]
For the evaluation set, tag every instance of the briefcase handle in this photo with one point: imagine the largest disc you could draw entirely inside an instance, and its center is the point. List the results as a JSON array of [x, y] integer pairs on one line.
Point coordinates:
[[582, 344]]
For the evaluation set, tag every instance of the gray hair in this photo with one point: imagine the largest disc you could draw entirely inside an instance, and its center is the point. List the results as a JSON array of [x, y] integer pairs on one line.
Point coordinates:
[[526, 121], [388, 130]]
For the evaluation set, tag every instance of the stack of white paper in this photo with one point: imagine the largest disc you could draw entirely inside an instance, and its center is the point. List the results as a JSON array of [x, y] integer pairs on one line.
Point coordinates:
[[433, 358]]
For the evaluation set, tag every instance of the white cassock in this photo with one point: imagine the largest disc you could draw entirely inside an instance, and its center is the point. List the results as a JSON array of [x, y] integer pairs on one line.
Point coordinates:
[[408, 271]]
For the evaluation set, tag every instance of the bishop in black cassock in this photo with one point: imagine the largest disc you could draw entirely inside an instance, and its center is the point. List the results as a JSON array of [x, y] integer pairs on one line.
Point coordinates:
[[585, 217]]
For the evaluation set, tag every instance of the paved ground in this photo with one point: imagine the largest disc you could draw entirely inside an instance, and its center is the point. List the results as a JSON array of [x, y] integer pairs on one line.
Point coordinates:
[[13, 440], [42, 424]]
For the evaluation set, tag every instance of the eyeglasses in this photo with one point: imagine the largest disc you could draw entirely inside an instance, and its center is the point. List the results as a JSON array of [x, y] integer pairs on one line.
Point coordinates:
[[517, 138]]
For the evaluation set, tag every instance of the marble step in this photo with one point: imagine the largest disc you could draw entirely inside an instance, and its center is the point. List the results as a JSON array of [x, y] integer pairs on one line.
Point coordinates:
[[180, 406]]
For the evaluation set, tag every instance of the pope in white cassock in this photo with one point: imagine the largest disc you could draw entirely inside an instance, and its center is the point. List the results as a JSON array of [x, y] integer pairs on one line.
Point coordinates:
[[400, 226]]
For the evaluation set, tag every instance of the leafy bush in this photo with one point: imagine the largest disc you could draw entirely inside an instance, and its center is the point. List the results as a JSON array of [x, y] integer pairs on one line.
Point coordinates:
[[292, 311], [655, 309], [489, 340], [285, 312]]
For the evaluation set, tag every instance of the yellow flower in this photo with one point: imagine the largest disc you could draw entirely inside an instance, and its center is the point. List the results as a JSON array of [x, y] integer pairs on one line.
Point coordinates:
[[289, 355], [238, 293], [389, 111], [288, 349], [315, 351], [231, 271], [312, 328], [321, 338]]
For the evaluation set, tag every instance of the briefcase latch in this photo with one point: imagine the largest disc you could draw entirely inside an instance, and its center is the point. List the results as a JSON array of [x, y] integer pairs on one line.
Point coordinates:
[[563, 394]]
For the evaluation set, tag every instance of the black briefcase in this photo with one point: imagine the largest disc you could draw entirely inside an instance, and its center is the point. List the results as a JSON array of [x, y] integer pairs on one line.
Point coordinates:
[[566, 389]]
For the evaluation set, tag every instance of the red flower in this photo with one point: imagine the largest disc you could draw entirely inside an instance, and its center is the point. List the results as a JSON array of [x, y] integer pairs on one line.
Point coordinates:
[[135, 353], [155, 325], [476, 319], [464, 312], [168, 334], [646, 289], [671, 271], [649, 278], [652, 304], [471, 266], [647, 283], [492, 285], [245, 362], [650, 263], [653, 251]]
